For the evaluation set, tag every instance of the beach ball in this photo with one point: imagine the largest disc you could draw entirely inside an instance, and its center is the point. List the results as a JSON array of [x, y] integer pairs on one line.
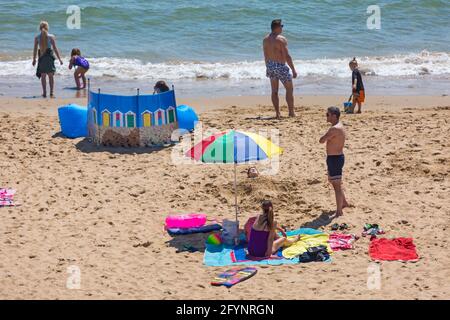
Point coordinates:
[[214, 239]]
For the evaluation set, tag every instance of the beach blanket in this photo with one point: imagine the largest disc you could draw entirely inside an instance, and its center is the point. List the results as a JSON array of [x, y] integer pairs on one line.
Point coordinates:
[[203, 229], [339, 241], [233, 276], [305, 242], [7, 197], [223, 255], [398, 249]]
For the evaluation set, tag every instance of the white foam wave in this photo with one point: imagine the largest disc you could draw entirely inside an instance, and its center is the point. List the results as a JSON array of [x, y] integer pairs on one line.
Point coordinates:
[[432, 63]]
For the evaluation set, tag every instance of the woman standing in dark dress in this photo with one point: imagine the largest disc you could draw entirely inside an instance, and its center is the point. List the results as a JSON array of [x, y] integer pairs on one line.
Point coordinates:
[[46, 43]]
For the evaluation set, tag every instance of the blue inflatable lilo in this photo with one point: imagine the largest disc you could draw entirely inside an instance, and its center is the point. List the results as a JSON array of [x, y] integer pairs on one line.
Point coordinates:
[[73, 120], [186, 117]]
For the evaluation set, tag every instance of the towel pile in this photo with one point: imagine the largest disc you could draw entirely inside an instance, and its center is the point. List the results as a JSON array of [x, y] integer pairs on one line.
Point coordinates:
[[7, 197]]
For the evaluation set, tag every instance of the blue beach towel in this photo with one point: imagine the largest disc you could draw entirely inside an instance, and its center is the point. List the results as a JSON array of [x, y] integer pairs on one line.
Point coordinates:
[[219, 256]]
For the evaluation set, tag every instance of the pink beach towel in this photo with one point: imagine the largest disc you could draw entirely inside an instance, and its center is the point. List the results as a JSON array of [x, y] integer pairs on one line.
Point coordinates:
[[398, 249], [339, 241], [6, 197]]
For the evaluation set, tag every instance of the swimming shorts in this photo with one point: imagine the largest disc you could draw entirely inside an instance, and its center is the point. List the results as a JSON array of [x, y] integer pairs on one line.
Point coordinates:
[[335, 165], [360, 97], [278, 70]]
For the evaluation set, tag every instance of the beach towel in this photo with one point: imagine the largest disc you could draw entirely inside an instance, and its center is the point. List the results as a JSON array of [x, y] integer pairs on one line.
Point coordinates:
[[7, 197], [203, 229], [305, 242], [233, 276], [339, 241], [398, 249], [239, 254], [46, 63], [223, 255]]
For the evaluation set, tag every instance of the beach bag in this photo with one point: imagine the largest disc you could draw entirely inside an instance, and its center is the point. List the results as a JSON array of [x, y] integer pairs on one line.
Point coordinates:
[[230, 232]]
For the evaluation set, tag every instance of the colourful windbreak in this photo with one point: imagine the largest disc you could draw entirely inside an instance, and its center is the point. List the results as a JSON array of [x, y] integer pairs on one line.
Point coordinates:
[[234, 147]]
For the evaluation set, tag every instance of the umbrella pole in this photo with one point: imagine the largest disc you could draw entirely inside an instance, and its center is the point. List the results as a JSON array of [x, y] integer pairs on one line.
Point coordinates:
[[236, 241], [235, 192]]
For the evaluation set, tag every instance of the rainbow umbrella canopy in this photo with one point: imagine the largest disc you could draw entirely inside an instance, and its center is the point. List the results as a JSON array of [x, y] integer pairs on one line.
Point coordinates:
[[235, 147]]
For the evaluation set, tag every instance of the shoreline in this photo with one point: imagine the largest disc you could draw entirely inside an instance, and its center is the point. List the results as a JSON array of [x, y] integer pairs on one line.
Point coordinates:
[[30, 87]]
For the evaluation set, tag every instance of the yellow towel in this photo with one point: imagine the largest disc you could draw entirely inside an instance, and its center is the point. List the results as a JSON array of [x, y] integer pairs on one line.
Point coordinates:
[[306, 241]]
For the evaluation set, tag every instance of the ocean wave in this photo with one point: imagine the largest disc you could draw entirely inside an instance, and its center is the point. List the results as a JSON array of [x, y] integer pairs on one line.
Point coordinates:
[[414, 64]]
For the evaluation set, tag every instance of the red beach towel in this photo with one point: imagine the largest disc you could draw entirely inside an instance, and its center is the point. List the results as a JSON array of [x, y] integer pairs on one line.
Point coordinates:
[[398, 249]]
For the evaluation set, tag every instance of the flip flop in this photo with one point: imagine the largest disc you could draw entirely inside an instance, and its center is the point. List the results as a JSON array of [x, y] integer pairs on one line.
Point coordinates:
[[343, 226], [335, 227]]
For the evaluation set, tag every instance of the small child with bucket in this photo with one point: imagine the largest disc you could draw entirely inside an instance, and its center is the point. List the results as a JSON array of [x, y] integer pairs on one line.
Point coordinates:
[[358, 92]]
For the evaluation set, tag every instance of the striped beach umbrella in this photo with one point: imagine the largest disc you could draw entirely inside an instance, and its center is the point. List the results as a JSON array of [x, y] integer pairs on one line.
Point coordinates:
[[235, 147]]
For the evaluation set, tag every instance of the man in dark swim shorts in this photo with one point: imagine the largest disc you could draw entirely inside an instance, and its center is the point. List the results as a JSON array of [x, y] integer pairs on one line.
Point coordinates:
[[335, 164], [335, 139]]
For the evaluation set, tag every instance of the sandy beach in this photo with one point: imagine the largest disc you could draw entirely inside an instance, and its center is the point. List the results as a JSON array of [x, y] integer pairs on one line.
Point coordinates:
[[103, 209]]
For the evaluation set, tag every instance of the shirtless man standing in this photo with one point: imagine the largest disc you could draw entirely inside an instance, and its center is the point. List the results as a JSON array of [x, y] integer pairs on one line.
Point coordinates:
[[335, 139], [276, 55]]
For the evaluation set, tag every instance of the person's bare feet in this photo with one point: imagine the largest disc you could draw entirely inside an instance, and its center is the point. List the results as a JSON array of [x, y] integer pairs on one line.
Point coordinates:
[[347, 205], [338, 213]]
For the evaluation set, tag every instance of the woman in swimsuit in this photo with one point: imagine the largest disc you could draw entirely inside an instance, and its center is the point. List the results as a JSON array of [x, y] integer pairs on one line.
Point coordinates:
[[264, 240], [82, 66], [46, 63]]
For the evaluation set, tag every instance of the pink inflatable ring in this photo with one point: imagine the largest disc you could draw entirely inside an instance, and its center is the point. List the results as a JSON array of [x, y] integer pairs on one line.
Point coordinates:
[[190, 220]]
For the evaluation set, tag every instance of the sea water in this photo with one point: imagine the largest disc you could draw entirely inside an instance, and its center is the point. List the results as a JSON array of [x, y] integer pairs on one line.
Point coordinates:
[[215, 47]]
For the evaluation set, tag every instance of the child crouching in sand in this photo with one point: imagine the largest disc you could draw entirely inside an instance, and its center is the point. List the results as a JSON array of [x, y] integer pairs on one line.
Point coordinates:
[[264, 240], [357, 86], [82, 66]]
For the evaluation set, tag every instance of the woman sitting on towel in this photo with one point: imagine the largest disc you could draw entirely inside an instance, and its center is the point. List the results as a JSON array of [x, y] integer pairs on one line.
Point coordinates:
[[264, 240]]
